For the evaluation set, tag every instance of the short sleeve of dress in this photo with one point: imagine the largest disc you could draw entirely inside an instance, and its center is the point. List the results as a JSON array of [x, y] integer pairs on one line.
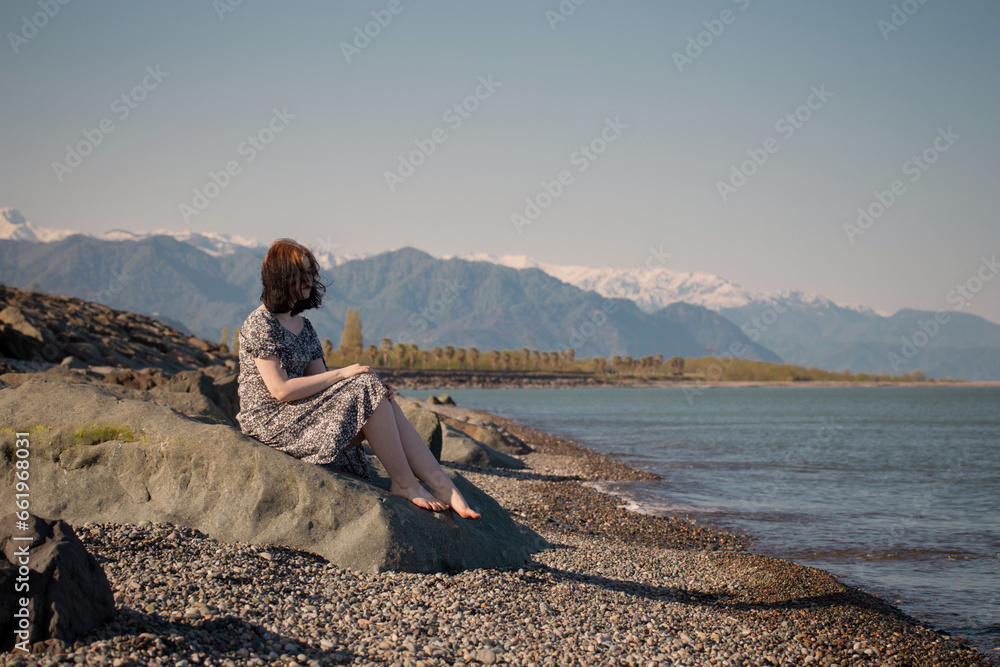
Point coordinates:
[[257, 338]]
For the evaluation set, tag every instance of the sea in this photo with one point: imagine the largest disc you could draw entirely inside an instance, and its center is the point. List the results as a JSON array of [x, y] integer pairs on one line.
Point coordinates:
[[895, 490]]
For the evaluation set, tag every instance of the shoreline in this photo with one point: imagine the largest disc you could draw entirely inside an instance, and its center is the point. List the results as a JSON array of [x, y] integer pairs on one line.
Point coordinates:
[[443, 380], [740, 544], [615, 588]]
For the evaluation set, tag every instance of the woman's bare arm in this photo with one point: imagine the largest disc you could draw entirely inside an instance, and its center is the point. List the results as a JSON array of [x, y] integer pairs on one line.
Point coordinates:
[[284, 389]]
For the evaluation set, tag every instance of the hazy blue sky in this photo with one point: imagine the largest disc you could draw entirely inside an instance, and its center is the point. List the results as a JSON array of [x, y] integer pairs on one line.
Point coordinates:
[[885, 97]]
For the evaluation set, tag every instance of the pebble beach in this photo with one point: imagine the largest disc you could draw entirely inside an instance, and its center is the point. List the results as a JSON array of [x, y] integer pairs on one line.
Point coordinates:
[[615, 588]]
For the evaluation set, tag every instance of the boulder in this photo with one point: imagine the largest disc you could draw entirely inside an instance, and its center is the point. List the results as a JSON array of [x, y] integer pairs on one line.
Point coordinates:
[[146, 461], [427, 425], [196, 406], [189, 382], [459, 447], [488, 434], [199, 383], [227, 389], [445, 399], [68, 593], [144, 379]]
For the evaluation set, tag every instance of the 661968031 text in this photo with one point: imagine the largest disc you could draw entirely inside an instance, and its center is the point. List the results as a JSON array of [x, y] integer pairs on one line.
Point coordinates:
[[22, 501]]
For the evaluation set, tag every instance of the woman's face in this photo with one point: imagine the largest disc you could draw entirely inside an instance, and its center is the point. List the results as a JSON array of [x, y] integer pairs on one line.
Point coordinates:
[[306, 284]]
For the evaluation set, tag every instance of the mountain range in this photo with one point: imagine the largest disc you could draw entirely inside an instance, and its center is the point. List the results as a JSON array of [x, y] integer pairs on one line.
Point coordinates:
[[202, 282]]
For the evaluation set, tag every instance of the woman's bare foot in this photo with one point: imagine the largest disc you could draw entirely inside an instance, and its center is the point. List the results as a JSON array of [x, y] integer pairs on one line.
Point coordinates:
[[447, 492], [419, 497]]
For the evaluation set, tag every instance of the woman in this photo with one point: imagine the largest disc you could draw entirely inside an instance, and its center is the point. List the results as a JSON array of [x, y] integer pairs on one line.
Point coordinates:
[[292, 402]]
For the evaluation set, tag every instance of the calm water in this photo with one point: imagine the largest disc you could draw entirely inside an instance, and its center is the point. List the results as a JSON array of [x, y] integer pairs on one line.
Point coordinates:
[[895, 490]]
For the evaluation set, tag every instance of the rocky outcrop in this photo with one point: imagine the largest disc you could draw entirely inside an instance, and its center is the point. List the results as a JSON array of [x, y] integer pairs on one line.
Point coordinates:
[[467, 441], [491, 435], [426, 423], [67, 591], [459, 447], [194, 404], [98, 456], [43, 327]]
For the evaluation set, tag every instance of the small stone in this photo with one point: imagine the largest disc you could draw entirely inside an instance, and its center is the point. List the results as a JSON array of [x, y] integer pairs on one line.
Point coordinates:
[[486, 656]]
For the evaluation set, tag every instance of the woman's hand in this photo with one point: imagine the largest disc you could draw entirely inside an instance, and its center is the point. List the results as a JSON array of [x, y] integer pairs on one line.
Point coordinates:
[[392, 392], [358, 369]]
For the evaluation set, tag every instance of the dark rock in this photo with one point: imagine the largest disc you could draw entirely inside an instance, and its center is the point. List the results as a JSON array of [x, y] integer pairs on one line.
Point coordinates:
[[459, 447], [144, 379], [445, 399], [227, 389], [427, 424], [491, 436], [35, 326], [68, 591]]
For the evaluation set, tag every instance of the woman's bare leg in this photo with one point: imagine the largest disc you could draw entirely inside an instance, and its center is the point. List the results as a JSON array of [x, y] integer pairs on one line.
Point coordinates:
[[381, 432], [426, 467]]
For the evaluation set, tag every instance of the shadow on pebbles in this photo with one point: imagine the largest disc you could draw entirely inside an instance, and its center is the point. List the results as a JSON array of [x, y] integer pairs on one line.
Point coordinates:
[[616, 588]]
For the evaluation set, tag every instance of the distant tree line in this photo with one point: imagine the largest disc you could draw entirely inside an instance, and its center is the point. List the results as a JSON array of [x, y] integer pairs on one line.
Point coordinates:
[[408, 356]]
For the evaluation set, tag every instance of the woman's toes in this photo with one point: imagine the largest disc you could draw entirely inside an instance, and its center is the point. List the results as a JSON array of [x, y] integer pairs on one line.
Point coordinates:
[[467, 513]]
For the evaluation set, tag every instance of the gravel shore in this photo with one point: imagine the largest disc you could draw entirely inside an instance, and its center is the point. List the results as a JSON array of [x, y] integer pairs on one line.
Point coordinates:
[[616, 588]]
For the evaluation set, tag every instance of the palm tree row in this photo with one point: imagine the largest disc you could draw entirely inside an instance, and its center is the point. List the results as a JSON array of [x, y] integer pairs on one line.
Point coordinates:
[[408, 356]]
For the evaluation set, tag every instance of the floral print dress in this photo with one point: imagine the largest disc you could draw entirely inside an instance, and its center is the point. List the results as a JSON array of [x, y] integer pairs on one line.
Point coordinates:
[[318, 428]]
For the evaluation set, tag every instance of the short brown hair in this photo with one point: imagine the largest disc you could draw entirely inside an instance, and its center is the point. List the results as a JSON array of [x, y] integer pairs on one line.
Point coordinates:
[[282, 272]]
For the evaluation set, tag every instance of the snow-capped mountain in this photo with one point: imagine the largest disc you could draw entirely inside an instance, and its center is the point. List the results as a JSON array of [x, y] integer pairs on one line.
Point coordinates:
[[651, 289], [214, 243], [14, 226], [658, 287]]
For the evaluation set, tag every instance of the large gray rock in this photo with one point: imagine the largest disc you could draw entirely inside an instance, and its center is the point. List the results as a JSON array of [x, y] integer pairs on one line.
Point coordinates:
[[459, 447], [501, 440], [68, 592], [426, 423], [194, 405], [100, 457]]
